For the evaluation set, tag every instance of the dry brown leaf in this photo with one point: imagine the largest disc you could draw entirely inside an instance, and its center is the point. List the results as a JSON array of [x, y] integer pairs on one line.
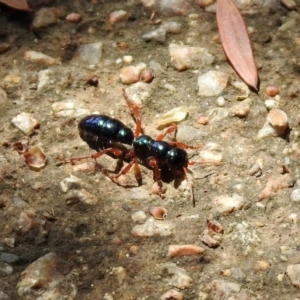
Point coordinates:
[[17, 4], [236, 43]]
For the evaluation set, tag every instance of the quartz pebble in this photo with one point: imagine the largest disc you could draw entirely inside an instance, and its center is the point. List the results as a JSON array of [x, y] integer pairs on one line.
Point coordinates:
[[179, 277], [69, 108], [153, 227], [40, 58], [278, 120], [51, 275], [293, 272], [226, 204], [25, 122], [158, 35], [139, 217], [91, 53], [212, 83], [139, 93], [222, 289], [185, 57], [295, 195], [44, 78]]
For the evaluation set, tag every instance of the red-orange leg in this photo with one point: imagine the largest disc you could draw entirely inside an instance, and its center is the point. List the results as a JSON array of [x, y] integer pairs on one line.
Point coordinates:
[[135, 111], [126, 169], [175, 143], [153, 164], [114, 151], [168, 131]]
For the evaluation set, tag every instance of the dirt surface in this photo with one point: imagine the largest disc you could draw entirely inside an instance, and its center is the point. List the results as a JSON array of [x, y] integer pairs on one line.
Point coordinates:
[[97, 238]]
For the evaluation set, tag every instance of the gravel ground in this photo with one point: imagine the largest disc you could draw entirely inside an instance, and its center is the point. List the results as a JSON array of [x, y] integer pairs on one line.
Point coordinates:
[[69, 232]]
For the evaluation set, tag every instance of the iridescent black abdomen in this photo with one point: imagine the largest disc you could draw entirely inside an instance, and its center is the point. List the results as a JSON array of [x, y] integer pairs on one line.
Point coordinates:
[[101, 131]]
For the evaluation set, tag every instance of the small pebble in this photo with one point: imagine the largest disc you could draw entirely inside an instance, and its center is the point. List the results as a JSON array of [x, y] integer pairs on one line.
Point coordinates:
[[10, 242], [261, 265], [8, 257], [40, 58], [117, 16], [278, 120], [221, 101], [184, 250], [127, 59], [51, 275], [295, 195], [147, 76], [212, 83], [185, 57], [293, 272], [203, 120], [129, 75], [172, 295], [179, 277], [90, 53], [153, 227], [240, 110], [139, 217], [73, 18], [209, 241], [158, 35], [272, 90], [26, 122], [46, 16], [172, 117], [226, 204]]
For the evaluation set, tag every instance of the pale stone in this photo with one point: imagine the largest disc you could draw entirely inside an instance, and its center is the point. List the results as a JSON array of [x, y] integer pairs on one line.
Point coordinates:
[[91, 53], [185, 57], [212, 83], [25, 122], [226, 204]]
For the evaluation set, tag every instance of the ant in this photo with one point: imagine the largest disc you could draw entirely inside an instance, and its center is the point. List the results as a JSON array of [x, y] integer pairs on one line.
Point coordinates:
[[107, 136]]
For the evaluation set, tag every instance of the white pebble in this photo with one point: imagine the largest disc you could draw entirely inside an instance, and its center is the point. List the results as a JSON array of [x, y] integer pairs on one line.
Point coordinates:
[[293, 272], [139, 217], [185, 57], [295, 195], [226, 204], [221, 101], [127, 59], [271, 103], [90, 53], [179, 277], [25, 122], [212, 83], [153, 227]]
